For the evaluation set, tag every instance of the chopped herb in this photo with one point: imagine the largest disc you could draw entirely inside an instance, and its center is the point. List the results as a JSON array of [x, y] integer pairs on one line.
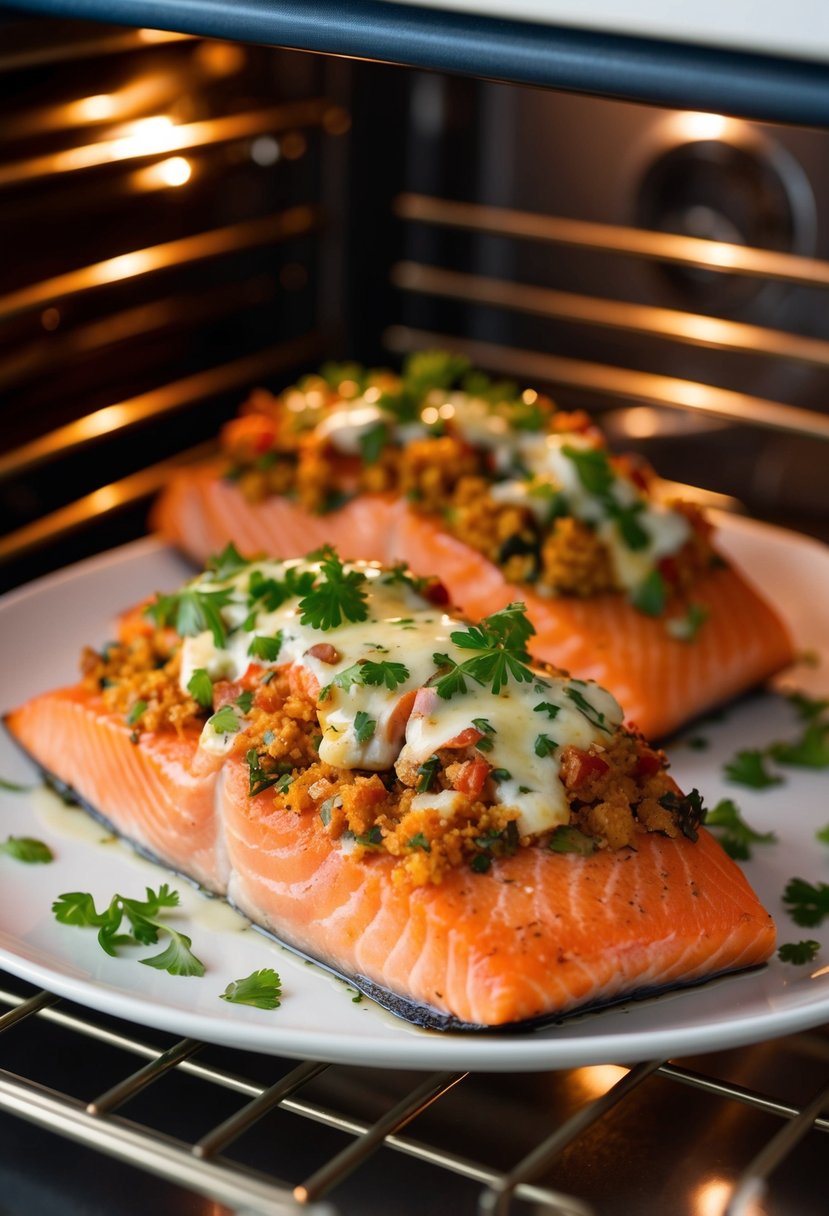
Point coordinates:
[[808, 708], [265, 648], [368, 672], [501, 640], [485, 744], [78, 908], [480, 863], [544, 745], [13, 787], [200, 687], [631, 531], [227, 563], [371, 838], [372, 442], [736, 836], [26, 849], [590, 712], [135, 713], [426, 772], [284, 783], [688, 809], [259, 778], [570, 840], [419, 841], [546, 707], [337, 596], [685, 628], [328, 806], [245, 701], [823, 835], [807, 904], [364, 726], [593, 468], [501, 774], [225, 722], [749, 768], [430, 369], [484, 726], [650, 596], [262, 989], [811, 750], [798, 952], [191, 612]]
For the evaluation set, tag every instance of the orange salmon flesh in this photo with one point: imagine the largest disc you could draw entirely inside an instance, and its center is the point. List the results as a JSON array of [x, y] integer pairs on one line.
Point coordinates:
[[661, 682]]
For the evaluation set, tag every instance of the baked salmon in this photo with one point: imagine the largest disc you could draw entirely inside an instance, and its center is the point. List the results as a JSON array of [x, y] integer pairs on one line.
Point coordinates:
[[501, 497], [470, 837]]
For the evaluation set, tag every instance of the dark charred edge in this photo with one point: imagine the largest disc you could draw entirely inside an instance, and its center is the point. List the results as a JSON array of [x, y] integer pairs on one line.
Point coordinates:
[[414, 1012]]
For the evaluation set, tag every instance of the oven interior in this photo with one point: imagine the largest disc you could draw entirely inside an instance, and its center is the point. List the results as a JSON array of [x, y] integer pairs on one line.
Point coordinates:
[[184, 218]]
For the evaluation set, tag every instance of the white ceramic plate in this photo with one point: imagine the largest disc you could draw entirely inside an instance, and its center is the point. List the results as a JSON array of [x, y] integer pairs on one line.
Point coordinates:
[[43, 628]]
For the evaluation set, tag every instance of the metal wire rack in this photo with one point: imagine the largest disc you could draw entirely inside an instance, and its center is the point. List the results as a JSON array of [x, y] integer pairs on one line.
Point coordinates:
[[544, 1124]]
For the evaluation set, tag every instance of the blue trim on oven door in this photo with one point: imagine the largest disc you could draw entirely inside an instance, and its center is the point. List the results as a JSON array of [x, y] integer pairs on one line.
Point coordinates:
[[634, 69]]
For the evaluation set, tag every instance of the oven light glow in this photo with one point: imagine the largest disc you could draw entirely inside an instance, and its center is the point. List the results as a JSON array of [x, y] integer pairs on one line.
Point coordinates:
[[175, 171], [596, 1080], [642, 422], [712, 1198], [694, 126], [94, 109], [146, 136]]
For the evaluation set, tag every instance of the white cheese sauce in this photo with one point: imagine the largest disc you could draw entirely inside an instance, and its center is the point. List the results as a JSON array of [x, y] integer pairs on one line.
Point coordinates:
[[369, 673]]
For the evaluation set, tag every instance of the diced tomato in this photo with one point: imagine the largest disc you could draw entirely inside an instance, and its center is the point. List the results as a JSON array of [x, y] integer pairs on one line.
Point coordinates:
[[578, 765], [325, 652], [668, 569], [648, 763], [466, 738], [471, 777], [436, 593], [250, 435]]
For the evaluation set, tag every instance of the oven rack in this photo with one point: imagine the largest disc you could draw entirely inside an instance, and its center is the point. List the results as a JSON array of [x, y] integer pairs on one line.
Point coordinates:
[[202, 1166]]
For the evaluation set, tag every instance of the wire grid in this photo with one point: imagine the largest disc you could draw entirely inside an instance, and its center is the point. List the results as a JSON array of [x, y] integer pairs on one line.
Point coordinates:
[[201, 1166]]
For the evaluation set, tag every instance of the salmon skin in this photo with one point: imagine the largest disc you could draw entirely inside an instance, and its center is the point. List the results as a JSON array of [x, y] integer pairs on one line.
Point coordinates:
[[662, 681], [438, 881]]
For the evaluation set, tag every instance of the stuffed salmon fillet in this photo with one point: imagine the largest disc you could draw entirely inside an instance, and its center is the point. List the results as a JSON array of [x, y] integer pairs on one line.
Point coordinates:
[[472, 838], [502, 497]]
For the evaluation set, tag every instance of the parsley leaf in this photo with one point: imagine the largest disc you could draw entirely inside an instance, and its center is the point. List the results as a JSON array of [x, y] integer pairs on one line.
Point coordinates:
[[419, 841], [484, 726], [337, 595], [650, 596], [245, 701], [262, 989], [225, 721], [811, 750], [191, 612], [26, 849], [368, 671], [568, 839], [501, 640], [261, 778], [426, 773], [737, 837], [265, 648], [807, 904], [364, 726], [372, 442], [593, 468], [587, 709], [200, 687], [798, 952], [808, 707], [544, 745], [546, 707], [78, 908], [227, 563], [749, 768]]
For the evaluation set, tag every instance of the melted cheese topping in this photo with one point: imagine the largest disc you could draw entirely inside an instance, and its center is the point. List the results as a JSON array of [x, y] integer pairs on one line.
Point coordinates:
[[372, 725]]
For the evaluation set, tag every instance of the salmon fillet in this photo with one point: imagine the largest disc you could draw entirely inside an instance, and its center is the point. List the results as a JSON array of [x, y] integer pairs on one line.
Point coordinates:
[[661, 682], [384, 787]]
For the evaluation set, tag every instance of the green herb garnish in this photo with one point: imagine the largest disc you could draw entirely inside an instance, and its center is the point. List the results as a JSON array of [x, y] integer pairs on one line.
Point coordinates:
[[336, 596], [593, 468], [798, 952], [266, 648], [78, 908], [501, 640], [688, 810], [200, 687], [191, 612], [227, 563], [749, 768], [368, 672], [570, 840], [225, 721], [685, 628], [585, 707], [262, 989], [811, 750], [736, 836], [245, 701], [426, 772], [807, 904], [650, 596], [419, 841], [135, 713], [372, 442], [27, 850], [544, 745], [364, 726]]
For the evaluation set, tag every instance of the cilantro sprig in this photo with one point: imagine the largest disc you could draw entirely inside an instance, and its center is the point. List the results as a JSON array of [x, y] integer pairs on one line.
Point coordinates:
[[368, 671], [262, 989], [798, 952], [500, 641], [145, 925], [807, 903], [749, 768]]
